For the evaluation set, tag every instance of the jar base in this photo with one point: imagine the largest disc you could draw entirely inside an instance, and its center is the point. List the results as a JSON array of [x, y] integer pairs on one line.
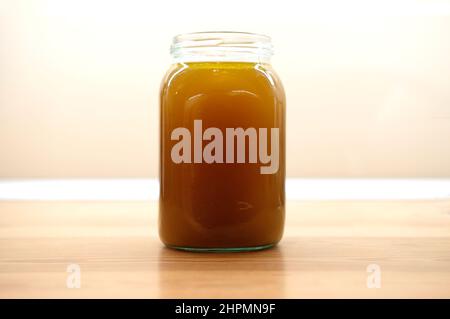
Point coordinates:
[[222, 250]]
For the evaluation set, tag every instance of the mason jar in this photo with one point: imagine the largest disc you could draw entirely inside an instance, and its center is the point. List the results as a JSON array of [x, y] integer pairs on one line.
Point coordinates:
[[222, 138]]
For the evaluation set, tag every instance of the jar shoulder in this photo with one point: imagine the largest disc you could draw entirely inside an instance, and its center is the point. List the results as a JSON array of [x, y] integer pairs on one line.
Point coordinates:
[[225, 76]]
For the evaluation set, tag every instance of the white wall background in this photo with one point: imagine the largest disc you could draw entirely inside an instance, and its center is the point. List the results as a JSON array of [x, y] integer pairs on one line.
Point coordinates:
[[367, 82]]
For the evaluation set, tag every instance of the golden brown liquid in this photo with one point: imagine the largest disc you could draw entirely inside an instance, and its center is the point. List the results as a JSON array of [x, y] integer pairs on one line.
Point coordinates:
[[221, 205]]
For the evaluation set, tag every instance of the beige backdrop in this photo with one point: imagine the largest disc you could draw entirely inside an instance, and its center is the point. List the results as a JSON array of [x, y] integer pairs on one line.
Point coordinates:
[[367, 83]]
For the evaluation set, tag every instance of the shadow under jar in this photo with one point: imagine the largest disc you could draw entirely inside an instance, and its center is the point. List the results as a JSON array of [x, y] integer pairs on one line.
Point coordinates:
[[222, 154]]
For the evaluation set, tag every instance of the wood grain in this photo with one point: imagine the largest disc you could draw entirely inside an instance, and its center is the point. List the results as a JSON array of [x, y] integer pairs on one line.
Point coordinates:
[[324, 253]]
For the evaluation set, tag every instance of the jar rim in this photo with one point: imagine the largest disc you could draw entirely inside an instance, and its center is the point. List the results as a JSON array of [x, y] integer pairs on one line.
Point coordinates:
[[221, 46]]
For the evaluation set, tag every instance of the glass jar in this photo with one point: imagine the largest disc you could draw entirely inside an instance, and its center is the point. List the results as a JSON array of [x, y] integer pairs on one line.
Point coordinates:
[[222, 155]]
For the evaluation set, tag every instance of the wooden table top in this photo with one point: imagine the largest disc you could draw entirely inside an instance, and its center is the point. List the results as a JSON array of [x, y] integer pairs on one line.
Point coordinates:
[[325, 253]]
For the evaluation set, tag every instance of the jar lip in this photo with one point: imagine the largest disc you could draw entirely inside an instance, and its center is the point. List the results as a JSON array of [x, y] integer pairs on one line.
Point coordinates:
[[221, 35], [228, 45]]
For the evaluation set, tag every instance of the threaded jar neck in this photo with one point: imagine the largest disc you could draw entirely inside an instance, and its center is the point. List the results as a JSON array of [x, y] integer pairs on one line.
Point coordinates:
[[224, 46]]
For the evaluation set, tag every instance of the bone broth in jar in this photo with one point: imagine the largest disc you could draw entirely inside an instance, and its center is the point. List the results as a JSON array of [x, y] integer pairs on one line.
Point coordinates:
[[222, 156]]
